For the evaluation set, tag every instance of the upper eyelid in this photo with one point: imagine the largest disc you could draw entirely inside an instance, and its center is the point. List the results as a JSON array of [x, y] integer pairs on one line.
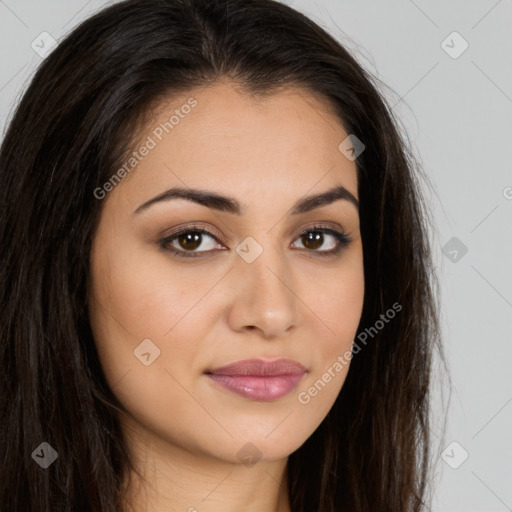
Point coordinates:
[[326, 225], [193, 228]]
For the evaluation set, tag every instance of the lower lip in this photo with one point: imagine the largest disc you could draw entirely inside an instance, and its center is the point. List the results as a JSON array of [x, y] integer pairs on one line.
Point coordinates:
[[265, 388]]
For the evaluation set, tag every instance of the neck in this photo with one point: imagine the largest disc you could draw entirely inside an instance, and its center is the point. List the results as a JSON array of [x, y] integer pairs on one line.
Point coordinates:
[[173, 479]]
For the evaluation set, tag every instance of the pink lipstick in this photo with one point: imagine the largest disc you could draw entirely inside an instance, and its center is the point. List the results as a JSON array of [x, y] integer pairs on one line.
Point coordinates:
[[257, 379]]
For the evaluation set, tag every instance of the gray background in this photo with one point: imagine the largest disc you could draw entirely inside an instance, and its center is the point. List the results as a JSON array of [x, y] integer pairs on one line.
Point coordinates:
[[457, 113]]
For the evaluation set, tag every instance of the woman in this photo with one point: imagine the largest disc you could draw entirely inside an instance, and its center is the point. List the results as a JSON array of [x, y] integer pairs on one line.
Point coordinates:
[[208, 218]]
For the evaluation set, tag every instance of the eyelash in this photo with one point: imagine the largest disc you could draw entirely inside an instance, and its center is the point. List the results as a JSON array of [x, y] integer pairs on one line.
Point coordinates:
[[342, 241]]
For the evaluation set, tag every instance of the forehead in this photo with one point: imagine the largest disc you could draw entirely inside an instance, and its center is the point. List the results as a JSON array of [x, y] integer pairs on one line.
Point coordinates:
[[209, 136]]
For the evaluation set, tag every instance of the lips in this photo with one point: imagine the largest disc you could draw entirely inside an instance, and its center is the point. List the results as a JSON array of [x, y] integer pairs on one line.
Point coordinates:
[[260, 368], [257, 379]]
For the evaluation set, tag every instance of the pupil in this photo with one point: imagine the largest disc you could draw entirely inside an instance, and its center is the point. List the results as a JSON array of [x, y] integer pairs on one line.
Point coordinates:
[[313, 240], [191, 240]]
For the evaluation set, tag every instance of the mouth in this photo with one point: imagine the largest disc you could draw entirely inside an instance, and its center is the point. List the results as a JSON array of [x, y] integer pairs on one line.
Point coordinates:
[[259, 380]]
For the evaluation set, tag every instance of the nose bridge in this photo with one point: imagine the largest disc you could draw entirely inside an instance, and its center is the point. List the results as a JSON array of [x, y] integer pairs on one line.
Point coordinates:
[[264, 260], [265, 296]]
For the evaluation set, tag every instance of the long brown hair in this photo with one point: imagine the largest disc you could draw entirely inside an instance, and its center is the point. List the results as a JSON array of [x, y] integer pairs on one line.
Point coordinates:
[[68, 136]]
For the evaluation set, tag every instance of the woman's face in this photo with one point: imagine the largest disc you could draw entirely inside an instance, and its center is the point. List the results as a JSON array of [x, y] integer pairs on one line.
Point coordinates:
[[252, 288]]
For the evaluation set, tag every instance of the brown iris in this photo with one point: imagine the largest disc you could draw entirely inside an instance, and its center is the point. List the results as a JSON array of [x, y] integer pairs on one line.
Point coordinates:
[[313, 238], [191, 241]]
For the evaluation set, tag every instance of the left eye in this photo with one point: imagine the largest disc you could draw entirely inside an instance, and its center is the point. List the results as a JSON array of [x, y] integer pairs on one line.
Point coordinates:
[[190, 239], [315, 238]]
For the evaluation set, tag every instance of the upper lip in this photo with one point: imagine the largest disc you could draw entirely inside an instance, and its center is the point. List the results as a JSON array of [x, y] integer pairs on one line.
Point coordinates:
[[260, 367]]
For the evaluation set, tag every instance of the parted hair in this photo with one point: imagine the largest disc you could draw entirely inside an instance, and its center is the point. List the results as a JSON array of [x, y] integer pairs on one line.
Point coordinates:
[[68, 135]]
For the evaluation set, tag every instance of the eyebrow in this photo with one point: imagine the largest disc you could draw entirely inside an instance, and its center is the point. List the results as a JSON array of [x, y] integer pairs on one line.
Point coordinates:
[[231, 205]]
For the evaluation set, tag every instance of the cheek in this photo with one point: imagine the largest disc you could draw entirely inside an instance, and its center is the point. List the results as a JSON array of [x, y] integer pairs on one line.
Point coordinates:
[[136, 300], [142, 296], [336, 301], [142, 291], [336, 311]]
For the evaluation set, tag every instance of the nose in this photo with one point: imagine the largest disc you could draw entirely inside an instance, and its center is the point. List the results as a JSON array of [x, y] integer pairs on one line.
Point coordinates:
[[265, 295]]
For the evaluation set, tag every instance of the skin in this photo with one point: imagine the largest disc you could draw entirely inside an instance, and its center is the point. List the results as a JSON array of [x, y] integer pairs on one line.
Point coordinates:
[[184, 432]]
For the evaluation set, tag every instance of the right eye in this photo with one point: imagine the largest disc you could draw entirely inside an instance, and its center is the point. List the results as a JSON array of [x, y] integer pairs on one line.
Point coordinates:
[[185, 242]]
